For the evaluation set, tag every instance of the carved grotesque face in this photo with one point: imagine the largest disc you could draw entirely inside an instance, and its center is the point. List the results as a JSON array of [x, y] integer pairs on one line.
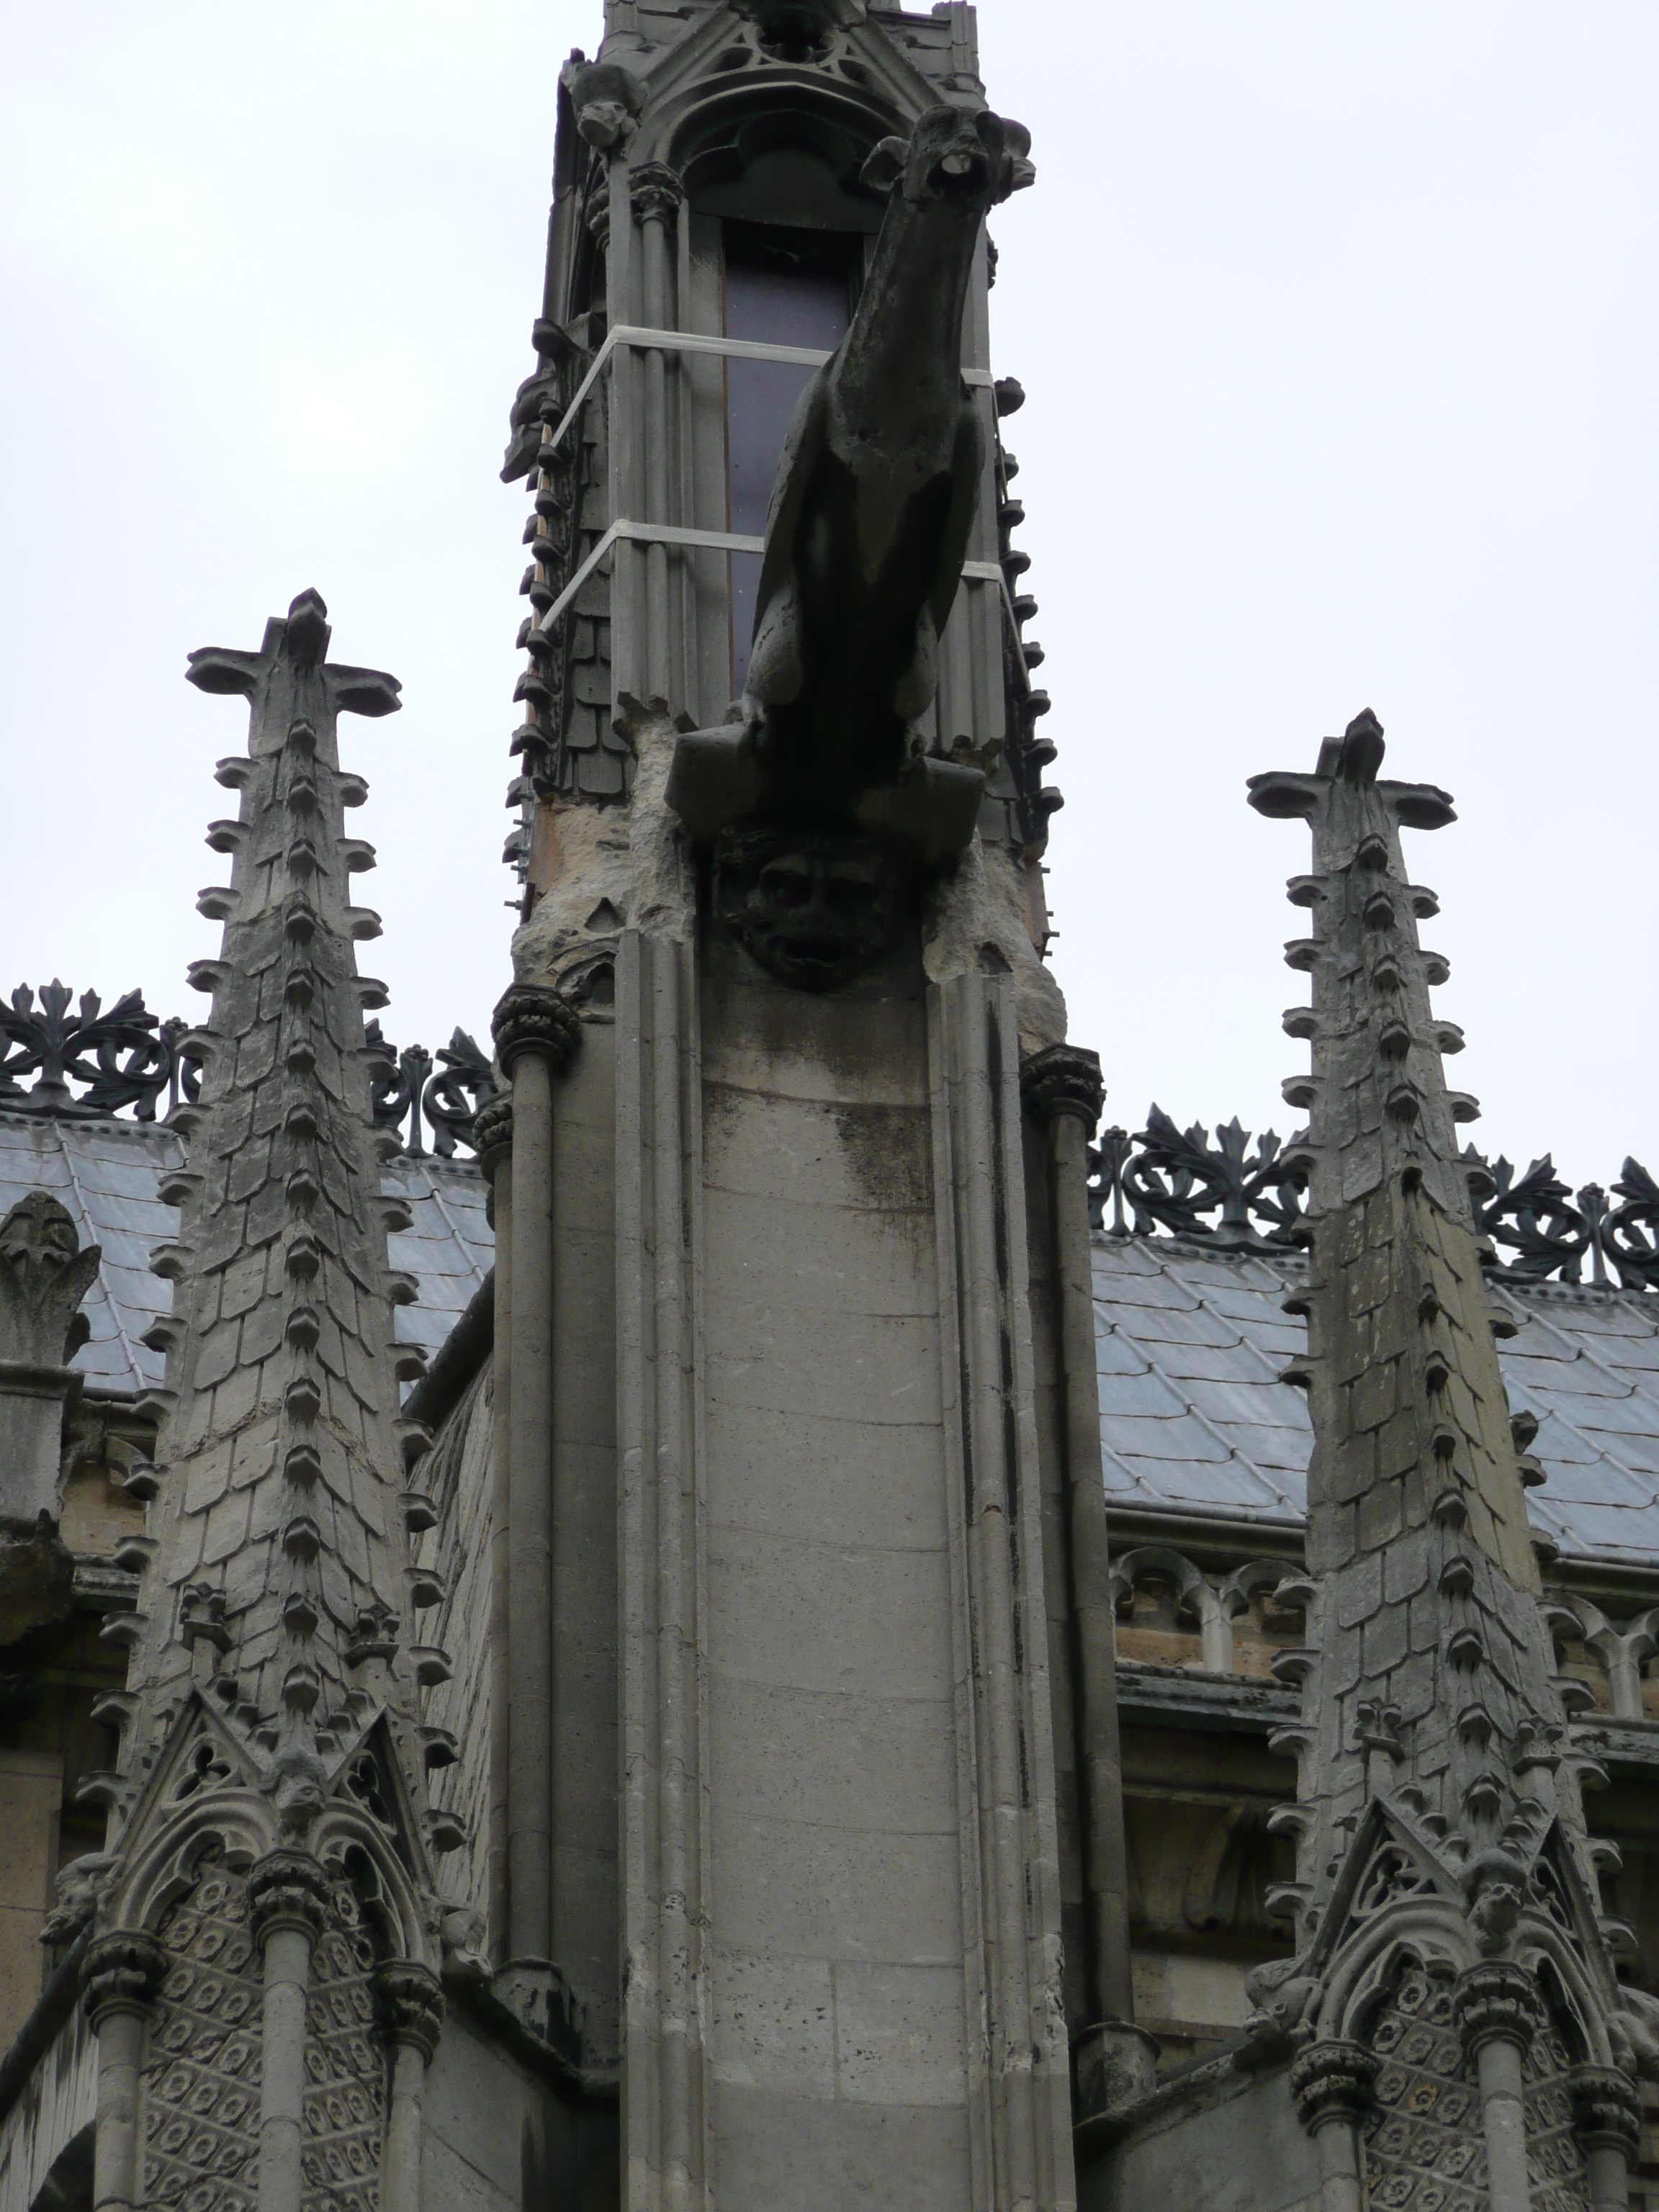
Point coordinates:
[[814, 911], [973, 162]]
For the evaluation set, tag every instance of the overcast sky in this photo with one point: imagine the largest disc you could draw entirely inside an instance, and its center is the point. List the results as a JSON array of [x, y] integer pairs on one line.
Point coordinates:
[[1338, 326]]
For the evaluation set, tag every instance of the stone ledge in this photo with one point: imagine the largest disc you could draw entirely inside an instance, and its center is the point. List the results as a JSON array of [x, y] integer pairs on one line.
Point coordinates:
[[1197, 1700]]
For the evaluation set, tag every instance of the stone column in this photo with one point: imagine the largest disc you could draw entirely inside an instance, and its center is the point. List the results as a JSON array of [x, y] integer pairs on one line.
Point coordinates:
[[493, 1140], [656, 192], [536, 1035], [1499, 2011], [412, 2006], [286, 1893], [1607, 2110], [1331, 2084], [1062, 1086], [122, 1974]]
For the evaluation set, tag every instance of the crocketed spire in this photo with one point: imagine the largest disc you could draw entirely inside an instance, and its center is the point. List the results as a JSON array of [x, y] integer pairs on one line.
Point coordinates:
[[1444, 1873], [278, 1546]]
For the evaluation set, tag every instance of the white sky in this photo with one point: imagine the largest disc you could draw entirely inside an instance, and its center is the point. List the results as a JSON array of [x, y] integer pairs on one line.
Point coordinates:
[[1337, 324]]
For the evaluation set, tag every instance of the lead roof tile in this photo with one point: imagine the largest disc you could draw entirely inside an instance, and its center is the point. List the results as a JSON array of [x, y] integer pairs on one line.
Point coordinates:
[[1117, 1354], [1179, 1436], [1263, 1402], [1146, 1396], [1166, 1325], [1578, 1376]]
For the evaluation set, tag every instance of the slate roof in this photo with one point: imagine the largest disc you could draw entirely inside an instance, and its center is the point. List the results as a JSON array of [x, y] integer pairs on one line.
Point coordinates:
[[1192, 1419], [1190, 1343], [105, 1173]]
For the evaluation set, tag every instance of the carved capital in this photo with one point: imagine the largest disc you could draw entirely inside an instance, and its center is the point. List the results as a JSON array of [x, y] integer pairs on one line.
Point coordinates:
[[411, 2003], [1333, 2081], [530, 1019], [1064, 1078], [287, 1889], [122, 1972], [1606, 2109], [43, 1276], [1496, 1998], [492, 1133], [656, 191]]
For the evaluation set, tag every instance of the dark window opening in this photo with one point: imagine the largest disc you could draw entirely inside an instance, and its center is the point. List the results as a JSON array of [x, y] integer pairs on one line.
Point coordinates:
[[782, 287]]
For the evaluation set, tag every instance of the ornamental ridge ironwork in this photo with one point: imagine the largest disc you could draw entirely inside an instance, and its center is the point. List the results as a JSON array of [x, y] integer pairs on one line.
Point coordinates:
[[1235, 1194], [89, 1062], [445, 1095]]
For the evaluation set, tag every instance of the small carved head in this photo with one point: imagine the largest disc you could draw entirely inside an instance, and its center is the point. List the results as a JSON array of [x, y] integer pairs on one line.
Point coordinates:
[[606, 99], [814, 909]]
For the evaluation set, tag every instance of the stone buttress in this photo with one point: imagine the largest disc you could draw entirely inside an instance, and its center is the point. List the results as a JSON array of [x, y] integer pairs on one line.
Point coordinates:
[[1462, 2038], [264, 1919], [788, 1865]]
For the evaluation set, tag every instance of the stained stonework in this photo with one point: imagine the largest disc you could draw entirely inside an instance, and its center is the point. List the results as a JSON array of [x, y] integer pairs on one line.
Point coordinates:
[[345, 2065], [202, 2081], [1424, 2146]]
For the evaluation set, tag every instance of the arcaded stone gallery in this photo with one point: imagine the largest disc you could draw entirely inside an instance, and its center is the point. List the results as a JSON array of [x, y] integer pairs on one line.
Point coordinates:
[[720, 1600]]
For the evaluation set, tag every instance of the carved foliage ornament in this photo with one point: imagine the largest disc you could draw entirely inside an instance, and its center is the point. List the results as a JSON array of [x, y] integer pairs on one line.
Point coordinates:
[[43, 1276], [530, 1019], [814, 909], [1063, 1078], [1333, 2081], [447, 1101]]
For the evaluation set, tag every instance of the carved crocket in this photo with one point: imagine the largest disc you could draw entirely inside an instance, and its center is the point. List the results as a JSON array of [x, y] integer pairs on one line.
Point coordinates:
[[874, 501]]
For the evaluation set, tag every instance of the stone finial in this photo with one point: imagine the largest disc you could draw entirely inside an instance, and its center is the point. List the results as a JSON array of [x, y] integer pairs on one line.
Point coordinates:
[[1378, 1099], [43, 1276]]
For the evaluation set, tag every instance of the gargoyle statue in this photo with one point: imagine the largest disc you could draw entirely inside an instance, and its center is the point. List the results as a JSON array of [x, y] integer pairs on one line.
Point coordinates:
[[869, 526], [875, 494]]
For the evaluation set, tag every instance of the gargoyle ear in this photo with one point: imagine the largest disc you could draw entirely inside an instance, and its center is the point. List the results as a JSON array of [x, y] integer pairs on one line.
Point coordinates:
[[1017, 144], [886, 164]]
